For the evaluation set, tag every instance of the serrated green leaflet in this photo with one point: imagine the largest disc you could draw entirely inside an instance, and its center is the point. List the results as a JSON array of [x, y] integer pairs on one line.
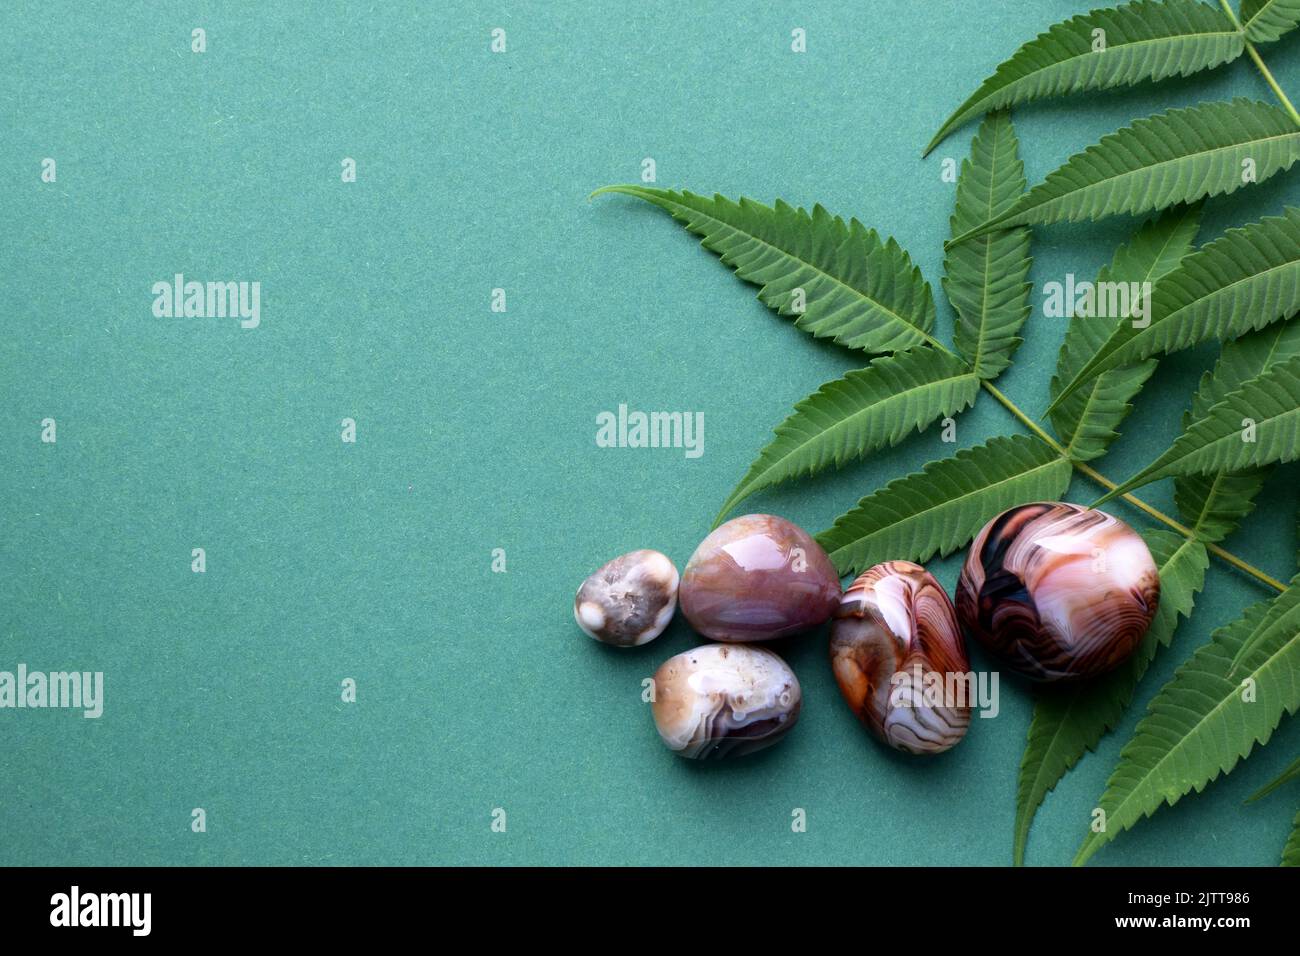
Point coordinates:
[[1257, 424], [1245, 280], [1213, 505], [1139, 41], [1266, 20], [1246, 649], [1174, 157], [839, 279], [941, 507], [1199, 724], [866, 410], [984, 279], [1069, 721], [1087, 420]]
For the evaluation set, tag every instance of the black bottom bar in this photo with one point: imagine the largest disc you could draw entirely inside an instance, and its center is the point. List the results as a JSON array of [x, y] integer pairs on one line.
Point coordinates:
[[212, 905]]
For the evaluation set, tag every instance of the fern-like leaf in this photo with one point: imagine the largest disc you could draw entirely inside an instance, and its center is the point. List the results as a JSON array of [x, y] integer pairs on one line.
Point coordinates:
[[985, 278], [1266, 20], [1178, 156], [1242, 281], [1142, 41], [839, 279], [1087, 419], [1268, 405], [941, 507], [866, 410], [1199, 726], [1213, 505], [1068, 721]]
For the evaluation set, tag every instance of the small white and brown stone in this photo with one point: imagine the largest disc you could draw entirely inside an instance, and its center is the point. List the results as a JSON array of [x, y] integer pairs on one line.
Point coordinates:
[[723, 700], [630, 600]]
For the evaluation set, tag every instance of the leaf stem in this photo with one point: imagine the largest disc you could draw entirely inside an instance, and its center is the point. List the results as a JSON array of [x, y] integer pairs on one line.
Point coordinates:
[[1099, 478], [1268, 78], [1263, 68]]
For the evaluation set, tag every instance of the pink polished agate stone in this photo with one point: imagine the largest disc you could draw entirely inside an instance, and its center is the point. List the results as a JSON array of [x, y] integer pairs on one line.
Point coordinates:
[[757, 578]]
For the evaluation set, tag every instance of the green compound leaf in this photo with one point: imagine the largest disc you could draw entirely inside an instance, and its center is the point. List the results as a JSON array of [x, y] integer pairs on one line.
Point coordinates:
[[1266, 20], [1174, 157], [855, 289], [1242, 281], [1213, 505], [1141, 41], [1199, 726], [866, 410], [1291, 852], [984, 279], [941, 507], [1087, 420], [1069, 721], [1268, 404]]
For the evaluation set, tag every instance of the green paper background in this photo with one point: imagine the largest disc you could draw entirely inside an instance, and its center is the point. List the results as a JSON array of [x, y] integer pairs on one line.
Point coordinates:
[[476, 429]]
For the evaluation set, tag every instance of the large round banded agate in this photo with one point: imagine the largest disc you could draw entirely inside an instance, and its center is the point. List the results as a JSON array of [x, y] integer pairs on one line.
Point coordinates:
[[724, 700], [900, 661], [1058, 591], [758, 578]]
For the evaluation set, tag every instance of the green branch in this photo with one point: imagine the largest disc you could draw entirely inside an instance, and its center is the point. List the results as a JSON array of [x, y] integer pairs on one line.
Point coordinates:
[[1261, 65], [1096, 476], [1092, 474]]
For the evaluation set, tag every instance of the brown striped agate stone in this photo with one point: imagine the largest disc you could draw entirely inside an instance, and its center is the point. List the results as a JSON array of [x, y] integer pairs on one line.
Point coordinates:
[[900, 661], [1058, 591]]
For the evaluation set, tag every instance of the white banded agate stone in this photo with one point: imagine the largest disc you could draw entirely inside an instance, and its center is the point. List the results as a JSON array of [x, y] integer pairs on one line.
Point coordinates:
[[724, 700]]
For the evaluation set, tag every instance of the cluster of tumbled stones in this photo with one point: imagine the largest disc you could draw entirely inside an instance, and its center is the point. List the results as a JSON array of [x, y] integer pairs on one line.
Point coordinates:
[[1058, 592]]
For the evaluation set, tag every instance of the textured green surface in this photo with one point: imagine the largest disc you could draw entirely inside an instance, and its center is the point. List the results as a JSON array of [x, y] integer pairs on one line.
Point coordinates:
[[476, 430]]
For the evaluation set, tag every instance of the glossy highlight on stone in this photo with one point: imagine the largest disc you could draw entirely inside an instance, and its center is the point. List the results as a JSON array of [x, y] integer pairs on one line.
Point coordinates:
[[1058, 591], [900, 660], [630, 600], [758, 578], [724, 700]]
